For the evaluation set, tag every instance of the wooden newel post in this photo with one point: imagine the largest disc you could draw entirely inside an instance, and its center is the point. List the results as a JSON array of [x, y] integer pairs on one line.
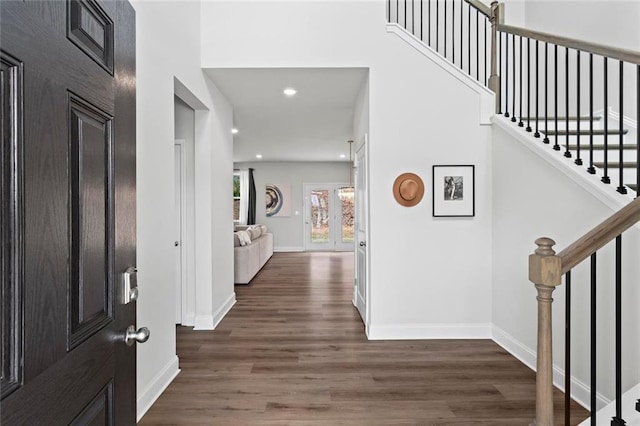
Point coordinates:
[[545, 272], [494, 78]]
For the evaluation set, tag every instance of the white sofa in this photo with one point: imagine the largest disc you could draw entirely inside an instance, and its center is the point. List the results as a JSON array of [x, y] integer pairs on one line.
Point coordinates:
[[250, 258]]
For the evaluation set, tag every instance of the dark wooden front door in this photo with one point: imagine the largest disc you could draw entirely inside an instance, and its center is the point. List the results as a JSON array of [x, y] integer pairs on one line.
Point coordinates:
[[68, 211]]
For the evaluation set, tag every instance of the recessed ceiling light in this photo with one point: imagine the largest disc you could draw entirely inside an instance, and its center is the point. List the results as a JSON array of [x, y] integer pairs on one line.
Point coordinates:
[[258, 155], [343, 156], [289, 91], [234, 131]]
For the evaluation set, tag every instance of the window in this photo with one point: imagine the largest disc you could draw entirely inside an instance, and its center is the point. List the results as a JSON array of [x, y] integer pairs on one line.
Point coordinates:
[[236, 196]]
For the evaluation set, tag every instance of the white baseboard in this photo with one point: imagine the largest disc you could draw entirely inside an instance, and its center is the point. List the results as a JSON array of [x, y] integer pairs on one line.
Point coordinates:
[[580, 391], [159, 383], [210, 322], [288, 249], [203, 322], [189, 320], [223, 310], [428, 331]]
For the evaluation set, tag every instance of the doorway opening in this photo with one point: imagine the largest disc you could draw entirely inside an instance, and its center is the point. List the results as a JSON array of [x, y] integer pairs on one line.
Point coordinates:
[[184, 224], [329, 217]]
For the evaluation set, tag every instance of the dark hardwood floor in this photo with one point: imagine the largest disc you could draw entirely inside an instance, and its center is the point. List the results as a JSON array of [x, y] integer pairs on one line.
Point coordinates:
[[292, 351]]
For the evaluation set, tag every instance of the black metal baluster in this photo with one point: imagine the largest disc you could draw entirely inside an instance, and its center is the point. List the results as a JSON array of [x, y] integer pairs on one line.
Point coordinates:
[[567, 153], [537, 132], [556, 146], [486, 83], [405, 14], [617, 420], [594, 325], [445, 28], [578, 158], [388, 10], [605, 178], [429, 23], [500, 70], [520, 123], [546, 93], [528, 129], [437, 25], [506, 75], [513, 49], [469, 38], [461, 32], [621, 188], [567, 348], [421, 18], [477, 47], [453, 31], [591, 169]]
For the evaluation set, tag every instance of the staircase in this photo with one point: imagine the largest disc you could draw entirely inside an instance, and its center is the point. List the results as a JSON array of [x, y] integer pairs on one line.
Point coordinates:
[[568, 95]]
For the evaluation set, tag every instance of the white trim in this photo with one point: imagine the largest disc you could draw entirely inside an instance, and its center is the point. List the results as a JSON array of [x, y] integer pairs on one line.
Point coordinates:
[[486, 102], [223, 310], [203, 322], [429, 331], [288, 249], [580, 391], [590, 183], [210, 322], [155, 388]]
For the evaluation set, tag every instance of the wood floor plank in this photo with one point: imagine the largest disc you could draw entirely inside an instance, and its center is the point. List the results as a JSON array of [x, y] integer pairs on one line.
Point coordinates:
[[292, 351]]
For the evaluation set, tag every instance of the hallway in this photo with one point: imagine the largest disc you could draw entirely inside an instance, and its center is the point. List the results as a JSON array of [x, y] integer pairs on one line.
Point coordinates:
[[293, 351]]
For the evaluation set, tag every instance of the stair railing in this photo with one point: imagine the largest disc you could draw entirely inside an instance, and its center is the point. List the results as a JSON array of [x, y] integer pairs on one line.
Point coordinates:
[[554, 87], [545, 271]]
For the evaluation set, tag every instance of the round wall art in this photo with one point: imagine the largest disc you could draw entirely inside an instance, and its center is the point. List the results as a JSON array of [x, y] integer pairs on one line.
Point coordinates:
[[273, 200], [408, 189]]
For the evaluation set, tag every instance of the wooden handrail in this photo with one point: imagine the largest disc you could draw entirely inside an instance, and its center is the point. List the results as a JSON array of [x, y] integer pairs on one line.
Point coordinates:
[[481, 7], [599, 236], [626, 55]]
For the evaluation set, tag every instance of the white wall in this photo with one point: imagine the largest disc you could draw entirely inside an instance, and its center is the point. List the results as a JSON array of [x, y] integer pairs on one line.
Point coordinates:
[[419, 116], [168, 47], [611, 23], [288, 231], [536, 199]]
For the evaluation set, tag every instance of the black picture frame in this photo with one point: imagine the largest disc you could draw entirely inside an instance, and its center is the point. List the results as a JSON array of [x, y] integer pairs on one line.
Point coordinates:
[[454, 190]]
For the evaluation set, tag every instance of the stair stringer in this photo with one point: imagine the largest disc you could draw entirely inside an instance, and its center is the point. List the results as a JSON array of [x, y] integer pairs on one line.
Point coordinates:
[[486, 96]]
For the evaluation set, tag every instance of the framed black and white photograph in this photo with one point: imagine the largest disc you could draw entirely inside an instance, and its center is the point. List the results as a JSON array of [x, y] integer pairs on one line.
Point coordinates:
[[454, 191]]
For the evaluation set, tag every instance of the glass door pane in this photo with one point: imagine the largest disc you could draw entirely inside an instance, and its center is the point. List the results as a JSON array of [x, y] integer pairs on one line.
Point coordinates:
[[345, 195], [320, 218]]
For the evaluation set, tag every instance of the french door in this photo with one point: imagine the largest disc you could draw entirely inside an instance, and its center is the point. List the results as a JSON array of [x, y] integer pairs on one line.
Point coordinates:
[[329, 217]]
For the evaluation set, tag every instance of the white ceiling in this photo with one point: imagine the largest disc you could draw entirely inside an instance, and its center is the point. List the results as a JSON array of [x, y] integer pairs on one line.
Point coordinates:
[[313, 125]]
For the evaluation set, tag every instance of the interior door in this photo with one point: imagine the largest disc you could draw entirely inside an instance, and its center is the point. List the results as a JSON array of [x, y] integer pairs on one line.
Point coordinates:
[[68, 212], [178, 173], [360, 288]]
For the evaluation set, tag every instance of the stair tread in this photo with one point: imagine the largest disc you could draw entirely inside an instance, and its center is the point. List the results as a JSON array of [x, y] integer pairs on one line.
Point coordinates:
[[571, 118], [616, 164], [600, 146], [635, 188], [596, 132]]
